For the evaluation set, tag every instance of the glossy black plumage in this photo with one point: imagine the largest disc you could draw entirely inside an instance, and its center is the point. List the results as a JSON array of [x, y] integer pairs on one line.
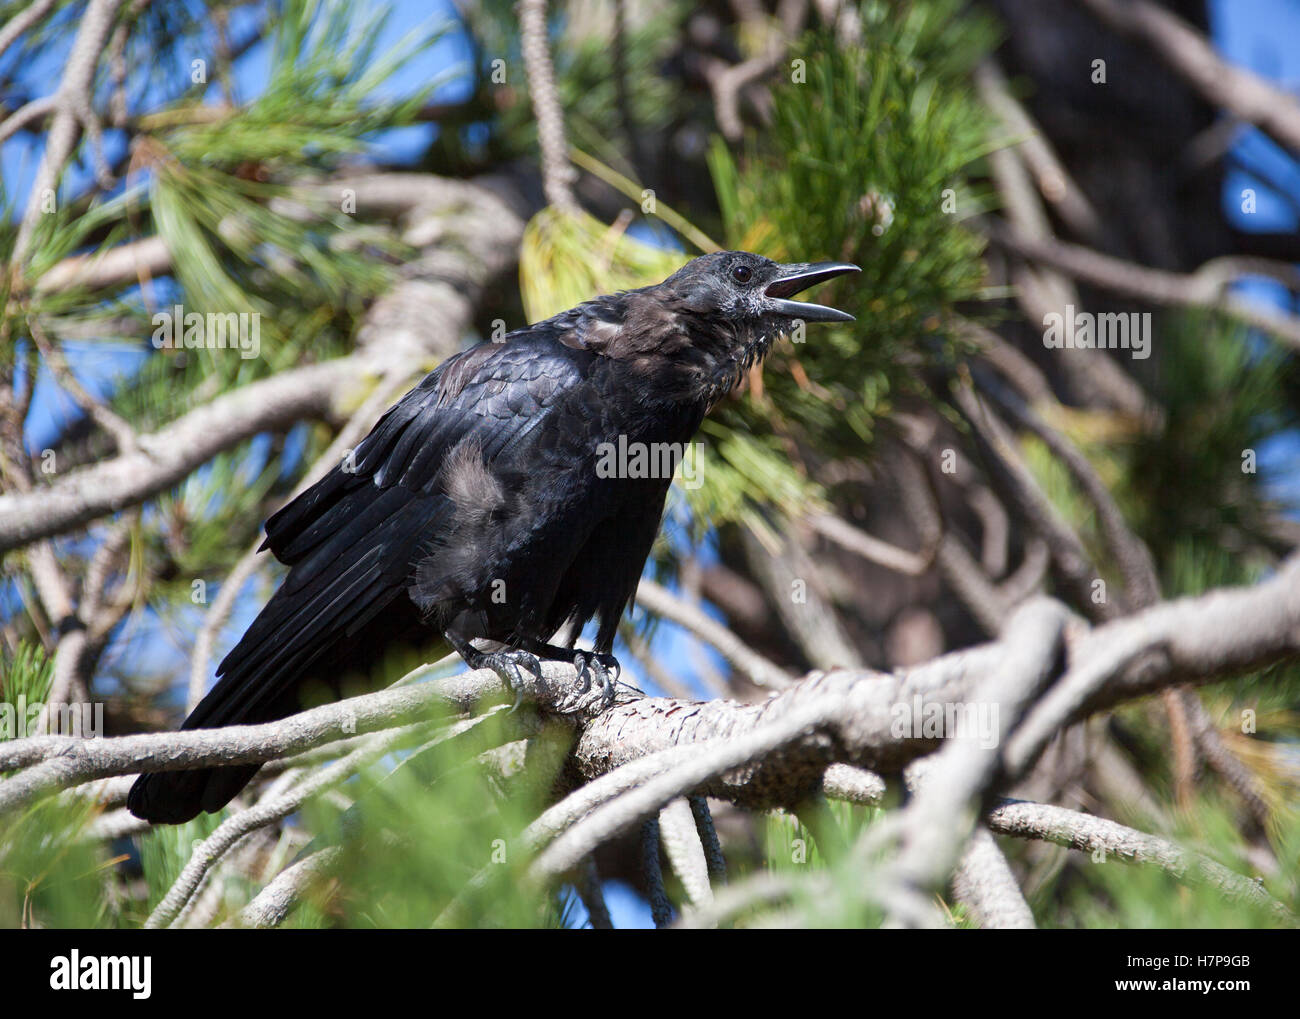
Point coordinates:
[[475, 506]]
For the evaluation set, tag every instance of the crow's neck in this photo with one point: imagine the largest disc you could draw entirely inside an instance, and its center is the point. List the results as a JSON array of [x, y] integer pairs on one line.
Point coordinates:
[[685, 357]]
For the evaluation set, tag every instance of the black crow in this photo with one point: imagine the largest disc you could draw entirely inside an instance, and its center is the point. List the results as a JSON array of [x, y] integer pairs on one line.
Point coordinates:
[[490, 503]]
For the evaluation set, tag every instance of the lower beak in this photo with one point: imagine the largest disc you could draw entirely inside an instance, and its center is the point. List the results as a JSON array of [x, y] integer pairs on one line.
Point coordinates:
[[794, 279]]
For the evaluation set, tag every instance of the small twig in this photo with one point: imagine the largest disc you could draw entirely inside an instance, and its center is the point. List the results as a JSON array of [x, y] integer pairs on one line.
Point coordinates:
[[123, 435], [655, 598], [1054, 181], [685, 851], [74, 92], [1208, 287], [1141, 583], [557, 175], [882, 553]]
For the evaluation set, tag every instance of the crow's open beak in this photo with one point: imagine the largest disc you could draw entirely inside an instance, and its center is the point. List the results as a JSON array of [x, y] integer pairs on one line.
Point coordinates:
[[795, 279]]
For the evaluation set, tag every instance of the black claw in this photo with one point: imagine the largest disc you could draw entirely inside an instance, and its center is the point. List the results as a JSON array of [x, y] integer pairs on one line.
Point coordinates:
[[595, 669], [612, 667], [509, 664], [604, 668]]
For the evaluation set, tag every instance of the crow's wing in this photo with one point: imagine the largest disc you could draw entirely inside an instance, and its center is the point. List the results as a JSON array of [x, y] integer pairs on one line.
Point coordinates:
[[351, 539], [350, 542]]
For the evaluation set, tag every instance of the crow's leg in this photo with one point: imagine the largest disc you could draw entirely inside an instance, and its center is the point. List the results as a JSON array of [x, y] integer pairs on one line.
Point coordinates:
[[510, 664], [596, 671]]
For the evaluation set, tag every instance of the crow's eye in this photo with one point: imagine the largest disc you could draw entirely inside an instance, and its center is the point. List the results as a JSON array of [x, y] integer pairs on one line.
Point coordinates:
[[742, 273]]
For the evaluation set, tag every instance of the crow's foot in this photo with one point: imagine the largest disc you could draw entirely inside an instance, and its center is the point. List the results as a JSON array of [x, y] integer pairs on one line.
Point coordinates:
[[510, 664], [598, 679], [595, 690]]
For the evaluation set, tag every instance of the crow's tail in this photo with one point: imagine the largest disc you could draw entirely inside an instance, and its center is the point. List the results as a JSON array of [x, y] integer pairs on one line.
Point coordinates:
[[350, 544], [302, 638]]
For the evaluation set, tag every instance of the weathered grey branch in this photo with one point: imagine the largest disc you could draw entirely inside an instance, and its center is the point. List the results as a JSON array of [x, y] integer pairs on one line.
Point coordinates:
[[935, 825], [54, 762], [168, 455], [720, 756], [984, 884], [1090, 834], [685, 851], [206, 855], [645, 752], [1192, 639], [21, 22], [272, 809], [272, 904], [71, 100]]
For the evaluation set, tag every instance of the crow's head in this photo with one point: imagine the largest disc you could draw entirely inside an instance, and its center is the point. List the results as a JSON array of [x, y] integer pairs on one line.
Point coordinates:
[[745, 288], [693, 337], [727, 309]]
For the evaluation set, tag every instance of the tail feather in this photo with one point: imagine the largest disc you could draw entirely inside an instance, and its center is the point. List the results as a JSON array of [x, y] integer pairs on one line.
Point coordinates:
[[339, 622], [350, 541], [241, 697]]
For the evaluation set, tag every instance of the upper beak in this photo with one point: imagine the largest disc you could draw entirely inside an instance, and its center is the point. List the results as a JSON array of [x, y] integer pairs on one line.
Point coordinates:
[[796, 278]]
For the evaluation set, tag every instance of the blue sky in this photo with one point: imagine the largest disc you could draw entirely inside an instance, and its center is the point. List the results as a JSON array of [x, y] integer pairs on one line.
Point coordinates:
[[1258, 34]]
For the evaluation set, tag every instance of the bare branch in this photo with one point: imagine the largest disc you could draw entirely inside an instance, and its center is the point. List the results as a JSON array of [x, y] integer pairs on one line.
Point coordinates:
[[557, 175], [882, 553], [685, 851], [168, 455], [984, 884], [1208, 287], [72, 97], [709, 761], [1054, 181], [1240, 92], [272, 905], [22, 22], [657, 599], [1096, 835]]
